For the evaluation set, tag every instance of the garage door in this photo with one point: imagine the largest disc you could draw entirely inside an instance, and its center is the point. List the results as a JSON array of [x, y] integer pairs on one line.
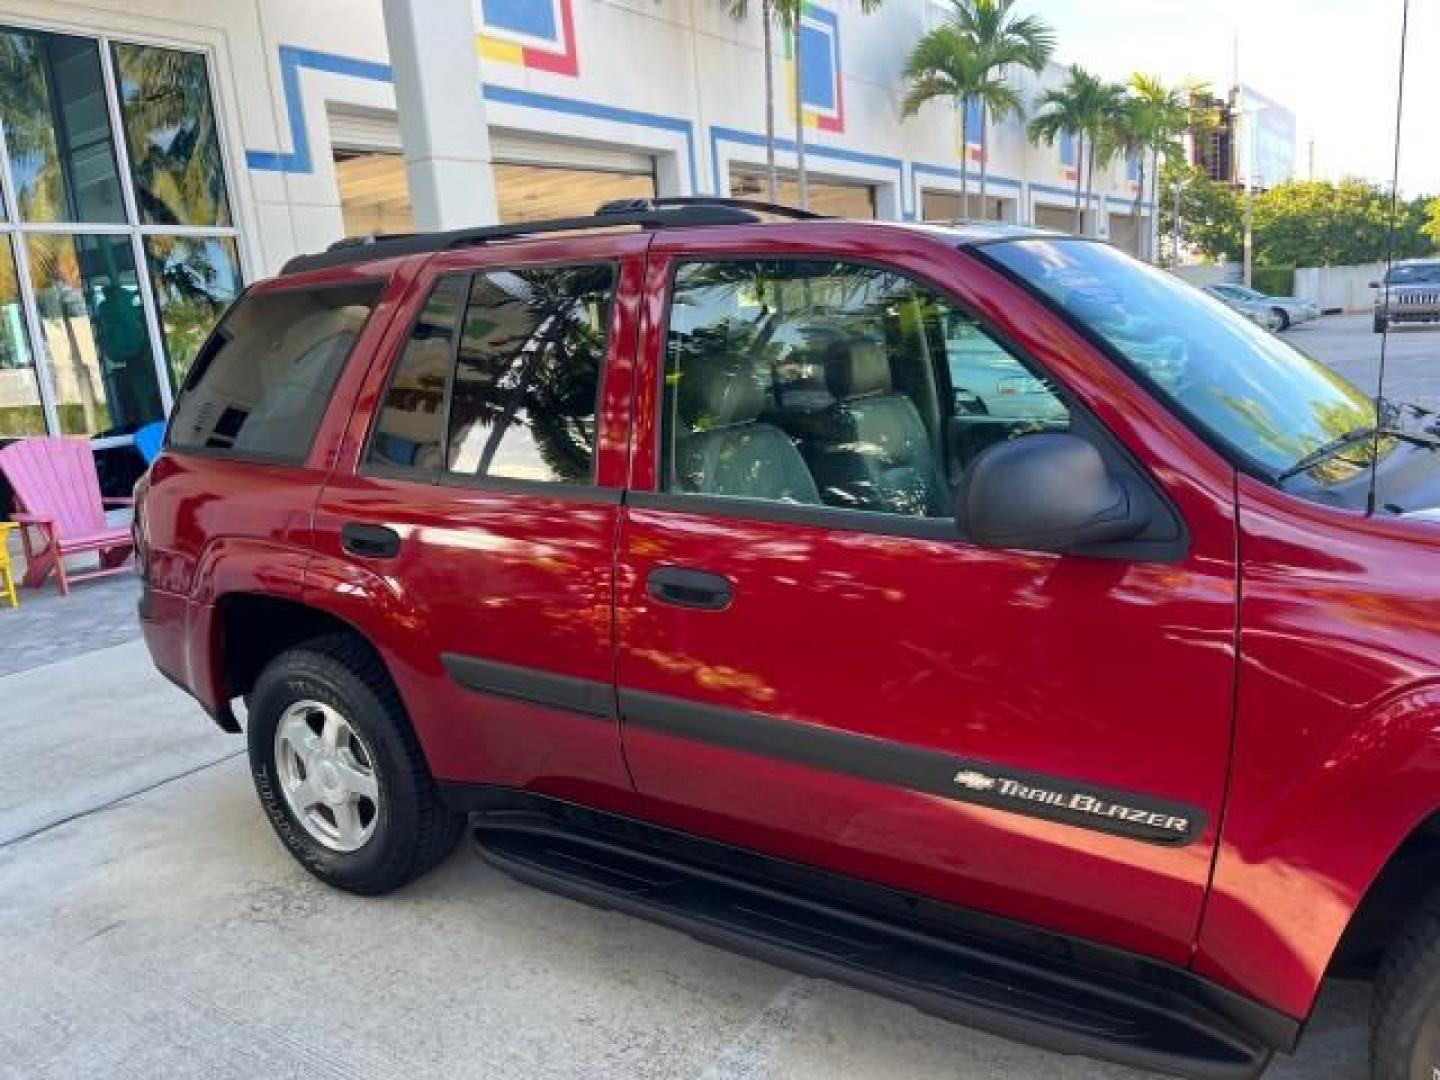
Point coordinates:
[[534, 178], [1125, 232], [948, 206], [835, 198], [1061, 219]]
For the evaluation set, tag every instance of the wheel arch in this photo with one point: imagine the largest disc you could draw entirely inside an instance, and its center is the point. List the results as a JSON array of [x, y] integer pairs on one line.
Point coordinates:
[[1307, 867], [252, 628], [1402, 885]]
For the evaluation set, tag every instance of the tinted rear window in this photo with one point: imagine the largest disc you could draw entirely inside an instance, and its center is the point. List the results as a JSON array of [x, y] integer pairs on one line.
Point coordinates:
[[261, 383]]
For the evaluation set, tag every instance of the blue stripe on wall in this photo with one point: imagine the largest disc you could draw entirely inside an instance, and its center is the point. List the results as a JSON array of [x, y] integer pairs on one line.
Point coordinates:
[[509, 95], [299, 159], [292, 59]]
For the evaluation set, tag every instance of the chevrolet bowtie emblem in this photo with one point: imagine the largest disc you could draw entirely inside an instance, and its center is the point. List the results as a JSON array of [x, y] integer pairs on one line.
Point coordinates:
[[975, 781]]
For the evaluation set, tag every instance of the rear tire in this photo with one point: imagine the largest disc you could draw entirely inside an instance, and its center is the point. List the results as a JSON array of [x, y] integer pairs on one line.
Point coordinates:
[[351, 798], [1284, 317], [1405, 1013], [1379, 324]]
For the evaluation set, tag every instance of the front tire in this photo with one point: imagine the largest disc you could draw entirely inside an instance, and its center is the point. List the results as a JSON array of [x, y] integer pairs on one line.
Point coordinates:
[[1379, 324], [1284, 317], [339, 772], [1405, 1014]]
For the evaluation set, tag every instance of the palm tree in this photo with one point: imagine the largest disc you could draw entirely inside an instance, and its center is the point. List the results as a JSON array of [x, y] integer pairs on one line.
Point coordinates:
[[1157, 116], [1003, 39], [1087, 108], [947, 65], [740, 9], [790, 14]]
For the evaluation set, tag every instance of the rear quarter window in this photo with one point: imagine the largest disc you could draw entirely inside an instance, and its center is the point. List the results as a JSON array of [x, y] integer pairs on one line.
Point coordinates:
[[261, 383]]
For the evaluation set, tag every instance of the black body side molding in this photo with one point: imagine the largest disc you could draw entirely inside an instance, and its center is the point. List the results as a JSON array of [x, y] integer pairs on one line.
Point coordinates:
[[584, 696], [1132, 815], [1060, 993]]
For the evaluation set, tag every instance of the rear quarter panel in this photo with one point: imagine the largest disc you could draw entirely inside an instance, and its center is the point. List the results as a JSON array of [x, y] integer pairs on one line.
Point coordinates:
[[216, 525]]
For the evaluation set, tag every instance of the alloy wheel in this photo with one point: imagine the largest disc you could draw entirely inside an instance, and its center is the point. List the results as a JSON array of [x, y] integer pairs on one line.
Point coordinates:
[[327, 775]]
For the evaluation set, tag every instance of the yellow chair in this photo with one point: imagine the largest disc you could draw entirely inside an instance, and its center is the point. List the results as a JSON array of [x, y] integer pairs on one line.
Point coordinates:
[[7, 572]]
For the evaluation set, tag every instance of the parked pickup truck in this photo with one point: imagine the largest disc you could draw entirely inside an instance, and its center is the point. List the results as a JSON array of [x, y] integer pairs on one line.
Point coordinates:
[[973, 615]]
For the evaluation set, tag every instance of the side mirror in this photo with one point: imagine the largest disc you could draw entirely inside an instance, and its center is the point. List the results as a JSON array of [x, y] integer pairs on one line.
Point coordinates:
[[1045, 492]]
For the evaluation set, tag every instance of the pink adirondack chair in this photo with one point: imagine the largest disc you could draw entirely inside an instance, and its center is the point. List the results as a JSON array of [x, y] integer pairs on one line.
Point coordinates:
[[60, 509]]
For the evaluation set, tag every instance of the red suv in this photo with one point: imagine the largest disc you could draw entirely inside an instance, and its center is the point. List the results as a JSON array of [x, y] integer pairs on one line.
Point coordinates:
[[974, 615]]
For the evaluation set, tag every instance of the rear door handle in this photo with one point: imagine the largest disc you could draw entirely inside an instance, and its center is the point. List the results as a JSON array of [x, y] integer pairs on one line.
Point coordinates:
[[689, 588], [369, 541]]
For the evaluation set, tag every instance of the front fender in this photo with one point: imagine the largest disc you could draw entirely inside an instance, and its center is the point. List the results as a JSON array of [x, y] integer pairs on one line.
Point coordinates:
[[1297, 857]]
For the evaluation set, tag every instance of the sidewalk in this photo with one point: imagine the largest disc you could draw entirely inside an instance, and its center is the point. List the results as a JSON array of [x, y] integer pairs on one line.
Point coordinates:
[[47, 627]]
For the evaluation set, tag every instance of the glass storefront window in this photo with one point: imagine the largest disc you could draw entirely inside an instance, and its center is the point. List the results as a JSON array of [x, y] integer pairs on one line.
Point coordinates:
[[57, 129], [20, 409], [170, 133], [116, 258], [194, 278], [88, 295]]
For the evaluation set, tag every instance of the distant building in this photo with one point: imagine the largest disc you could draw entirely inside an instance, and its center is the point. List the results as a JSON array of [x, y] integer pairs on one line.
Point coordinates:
[[1211, 137], [1223, 145], [1270, 138]]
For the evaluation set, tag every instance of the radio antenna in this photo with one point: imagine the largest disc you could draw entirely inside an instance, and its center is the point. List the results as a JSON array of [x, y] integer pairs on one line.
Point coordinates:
[[1389, 264]]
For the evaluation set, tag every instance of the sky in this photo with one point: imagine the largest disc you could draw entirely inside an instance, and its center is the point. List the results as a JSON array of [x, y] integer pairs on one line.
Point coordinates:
[[1334, 63]]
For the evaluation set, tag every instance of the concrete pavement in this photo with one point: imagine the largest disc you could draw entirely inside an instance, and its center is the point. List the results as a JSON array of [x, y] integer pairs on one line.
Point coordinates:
[[1348, 345], [151, 925]]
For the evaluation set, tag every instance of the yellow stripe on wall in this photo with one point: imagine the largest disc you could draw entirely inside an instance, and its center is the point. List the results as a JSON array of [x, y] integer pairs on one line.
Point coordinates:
[[502, 52]]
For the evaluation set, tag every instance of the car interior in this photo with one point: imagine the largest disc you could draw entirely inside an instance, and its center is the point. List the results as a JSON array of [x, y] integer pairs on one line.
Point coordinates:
[[837, 386]]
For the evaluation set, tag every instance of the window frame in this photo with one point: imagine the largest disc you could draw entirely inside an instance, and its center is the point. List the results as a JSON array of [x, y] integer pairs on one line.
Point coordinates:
[[441, 475], [943, 529], [380, 282], [107, 32]]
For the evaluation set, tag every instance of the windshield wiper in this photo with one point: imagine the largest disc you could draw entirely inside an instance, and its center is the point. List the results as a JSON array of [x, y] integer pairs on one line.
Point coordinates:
[[1325, 451]]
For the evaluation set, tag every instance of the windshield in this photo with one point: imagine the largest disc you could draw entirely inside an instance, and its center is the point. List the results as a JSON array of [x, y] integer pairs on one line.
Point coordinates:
[[1246, 387], [1417, 274]]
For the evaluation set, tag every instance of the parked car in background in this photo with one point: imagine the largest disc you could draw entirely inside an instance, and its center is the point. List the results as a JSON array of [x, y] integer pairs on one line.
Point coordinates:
[[1288, 310], [1410, 292], [975, 615], [1271, 312]]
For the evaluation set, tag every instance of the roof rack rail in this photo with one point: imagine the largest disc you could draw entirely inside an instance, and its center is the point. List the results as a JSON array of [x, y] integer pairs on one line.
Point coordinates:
[[646, 213], [616, 206]]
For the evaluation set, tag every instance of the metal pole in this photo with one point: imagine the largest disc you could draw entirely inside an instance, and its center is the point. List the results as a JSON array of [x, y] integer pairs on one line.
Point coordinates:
[[1246, 125]]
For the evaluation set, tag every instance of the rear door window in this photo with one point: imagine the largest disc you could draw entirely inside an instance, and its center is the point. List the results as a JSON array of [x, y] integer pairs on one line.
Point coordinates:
[[528, 374], [500, 378], [410, 433], [261, 383]]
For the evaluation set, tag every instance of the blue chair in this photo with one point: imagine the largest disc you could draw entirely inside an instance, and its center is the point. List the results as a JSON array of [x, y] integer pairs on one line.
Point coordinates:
[[148, 440]]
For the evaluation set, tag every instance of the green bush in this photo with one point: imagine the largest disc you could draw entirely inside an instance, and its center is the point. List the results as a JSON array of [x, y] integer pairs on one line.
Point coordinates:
[[1274, 280]]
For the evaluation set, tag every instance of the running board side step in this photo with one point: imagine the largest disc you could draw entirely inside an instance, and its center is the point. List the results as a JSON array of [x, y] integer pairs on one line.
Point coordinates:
[[1041, 996]]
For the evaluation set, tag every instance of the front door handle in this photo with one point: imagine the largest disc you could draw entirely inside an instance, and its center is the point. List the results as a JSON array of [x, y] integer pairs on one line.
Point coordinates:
[[689, 588], [369, 541]]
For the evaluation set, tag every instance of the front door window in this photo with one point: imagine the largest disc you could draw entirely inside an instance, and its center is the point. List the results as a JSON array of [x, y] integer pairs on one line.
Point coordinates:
[[835, 385]]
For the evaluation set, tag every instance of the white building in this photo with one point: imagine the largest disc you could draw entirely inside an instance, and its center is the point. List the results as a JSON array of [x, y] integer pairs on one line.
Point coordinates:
[[159, 153]]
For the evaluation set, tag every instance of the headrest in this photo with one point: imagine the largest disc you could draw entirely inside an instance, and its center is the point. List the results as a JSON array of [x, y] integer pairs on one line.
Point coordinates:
[[857, 367], [718, 394]]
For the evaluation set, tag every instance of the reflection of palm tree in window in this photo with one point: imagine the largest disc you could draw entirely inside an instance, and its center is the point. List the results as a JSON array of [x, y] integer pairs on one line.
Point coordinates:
[[55, 273], [530, 358], [170, 133], [29, 132], [194, 279]]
